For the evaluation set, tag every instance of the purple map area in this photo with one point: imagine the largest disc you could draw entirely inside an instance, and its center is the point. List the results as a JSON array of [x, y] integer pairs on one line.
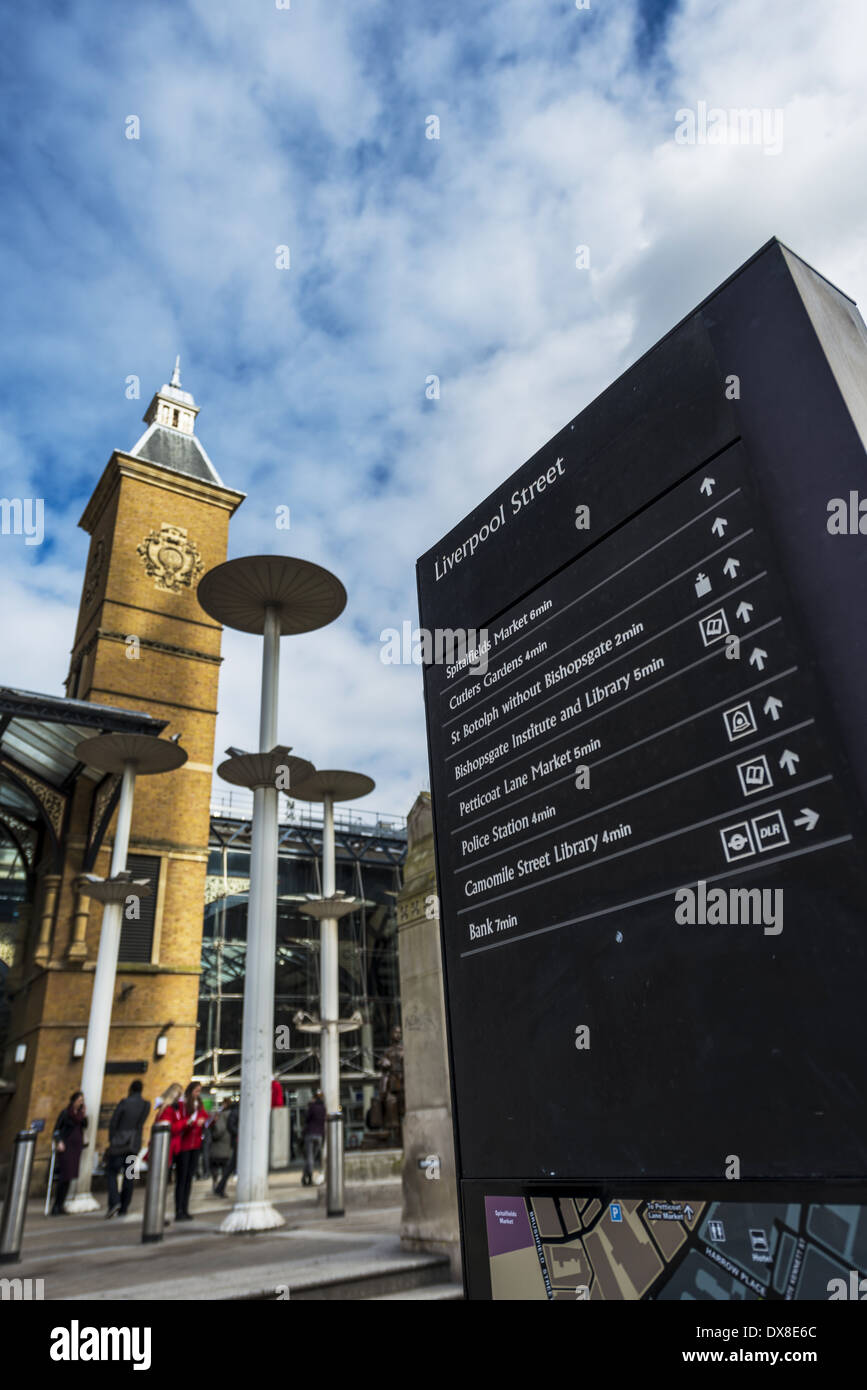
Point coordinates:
[[508, 1225]]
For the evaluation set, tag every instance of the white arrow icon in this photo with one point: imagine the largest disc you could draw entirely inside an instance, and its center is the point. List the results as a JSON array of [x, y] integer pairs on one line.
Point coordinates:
[[743, 611], [758, 657], [772, 706], [708, 485], [719, 526], [789, 761], [731, 567], [807, 818], [688, 1212]]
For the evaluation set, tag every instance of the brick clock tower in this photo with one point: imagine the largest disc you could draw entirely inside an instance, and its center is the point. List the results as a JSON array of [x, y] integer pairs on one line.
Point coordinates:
[[158, 519]]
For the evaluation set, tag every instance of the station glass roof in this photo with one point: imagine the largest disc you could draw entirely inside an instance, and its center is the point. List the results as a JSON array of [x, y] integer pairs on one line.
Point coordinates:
[[39, 733]]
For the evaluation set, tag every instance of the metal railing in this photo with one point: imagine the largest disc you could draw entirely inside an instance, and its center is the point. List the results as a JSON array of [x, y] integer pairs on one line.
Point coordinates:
[[237, 804]]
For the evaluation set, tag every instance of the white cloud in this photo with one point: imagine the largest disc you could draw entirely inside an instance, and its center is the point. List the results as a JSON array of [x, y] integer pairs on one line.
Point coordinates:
[[409, 257]]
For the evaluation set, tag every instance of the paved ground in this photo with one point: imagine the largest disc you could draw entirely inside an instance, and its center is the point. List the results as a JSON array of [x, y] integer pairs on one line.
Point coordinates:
[[89, 1258]]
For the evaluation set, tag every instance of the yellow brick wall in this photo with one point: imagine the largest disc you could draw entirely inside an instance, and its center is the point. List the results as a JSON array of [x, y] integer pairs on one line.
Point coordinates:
[[177, 681]]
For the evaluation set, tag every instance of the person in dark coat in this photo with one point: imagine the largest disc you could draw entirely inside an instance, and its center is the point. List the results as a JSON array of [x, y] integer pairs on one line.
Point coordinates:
[[124, 1141], [69, 1139], [220, 1150], [314, 1134], [231, 1162]]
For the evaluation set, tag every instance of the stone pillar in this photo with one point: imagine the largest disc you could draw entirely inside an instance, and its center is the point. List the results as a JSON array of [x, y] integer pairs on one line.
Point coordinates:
[[430, 1204], [51, 884], [78, 945]]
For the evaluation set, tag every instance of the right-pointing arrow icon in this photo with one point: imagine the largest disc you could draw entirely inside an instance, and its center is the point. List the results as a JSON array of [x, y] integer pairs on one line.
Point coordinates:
[[758, 657], [719, 526], [807, 818], [772, 706]]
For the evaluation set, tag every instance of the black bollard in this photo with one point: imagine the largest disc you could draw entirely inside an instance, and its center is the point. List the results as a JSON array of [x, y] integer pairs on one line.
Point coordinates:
[[334, 1165], [15, 1206], [158, 1179]]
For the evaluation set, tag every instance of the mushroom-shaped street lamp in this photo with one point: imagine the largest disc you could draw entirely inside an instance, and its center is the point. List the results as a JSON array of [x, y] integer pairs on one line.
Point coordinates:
[[274, 595], [330, 786]]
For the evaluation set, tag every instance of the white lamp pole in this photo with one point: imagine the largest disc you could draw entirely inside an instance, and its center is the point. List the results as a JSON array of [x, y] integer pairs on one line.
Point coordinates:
[[328, 787], [252, 1209], [329, 964]]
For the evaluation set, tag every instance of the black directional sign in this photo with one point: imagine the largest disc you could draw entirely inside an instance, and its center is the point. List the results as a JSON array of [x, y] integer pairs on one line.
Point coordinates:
[[648, 770]]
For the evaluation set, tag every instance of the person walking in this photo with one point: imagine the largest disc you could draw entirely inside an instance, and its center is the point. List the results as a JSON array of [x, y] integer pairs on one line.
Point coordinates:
[[69, 1139], [314, 1134], [124, 1142], [231, 1163], [221, 1143], [189, 1123]]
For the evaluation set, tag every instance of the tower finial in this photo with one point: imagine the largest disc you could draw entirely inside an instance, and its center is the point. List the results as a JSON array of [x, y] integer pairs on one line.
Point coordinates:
[[176, 374]]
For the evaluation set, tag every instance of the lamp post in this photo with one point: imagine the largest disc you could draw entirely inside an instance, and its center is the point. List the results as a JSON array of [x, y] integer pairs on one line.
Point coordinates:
[[330, 786], [260, 773], [274, 595], [131, 755]]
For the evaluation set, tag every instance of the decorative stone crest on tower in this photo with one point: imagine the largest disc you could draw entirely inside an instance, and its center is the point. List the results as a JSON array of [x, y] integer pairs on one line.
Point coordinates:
[[171, 558]]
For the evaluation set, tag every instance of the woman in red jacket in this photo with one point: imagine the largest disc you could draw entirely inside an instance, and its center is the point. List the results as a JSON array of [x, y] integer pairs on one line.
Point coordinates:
[[188, 1123], [165, 1108]]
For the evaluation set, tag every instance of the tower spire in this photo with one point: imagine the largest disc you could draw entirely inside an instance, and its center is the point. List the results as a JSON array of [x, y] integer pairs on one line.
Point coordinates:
[[170, 437]]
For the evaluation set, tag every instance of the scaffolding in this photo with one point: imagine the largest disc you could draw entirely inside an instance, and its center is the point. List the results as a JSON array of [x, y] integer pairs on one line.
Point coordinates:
[[370, 853]]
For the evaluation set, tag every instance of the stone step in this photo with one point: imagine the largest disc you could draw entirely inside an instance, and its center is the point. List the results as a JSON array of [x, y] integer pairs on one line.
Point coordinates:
[[427, 1291], [370, 1192], [397, 1278]]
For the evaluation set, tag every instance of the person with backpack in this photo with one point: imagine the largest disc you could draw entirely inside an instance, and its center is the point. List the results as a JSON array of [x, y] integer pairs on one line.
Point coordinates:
[[69, 1139], [124, 1142]]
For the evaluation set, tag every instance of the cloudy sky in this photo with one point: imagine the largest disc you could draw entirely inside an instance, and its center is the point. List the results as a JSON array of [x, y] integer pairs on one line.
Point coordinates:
[[409, 257]]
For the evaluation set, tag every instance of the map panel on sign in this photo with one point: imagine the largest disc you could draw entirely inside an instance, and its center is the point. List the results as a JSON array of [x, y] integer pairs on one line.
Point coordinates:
[[676, 1249]]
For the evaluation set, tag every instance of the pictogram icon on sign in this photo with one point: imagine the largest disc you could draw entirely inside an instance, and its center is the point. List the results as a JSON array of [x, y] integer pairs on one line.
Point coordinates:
[[770, 831], [714, 627], [739, 721], [755, 775], [738, 842]]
